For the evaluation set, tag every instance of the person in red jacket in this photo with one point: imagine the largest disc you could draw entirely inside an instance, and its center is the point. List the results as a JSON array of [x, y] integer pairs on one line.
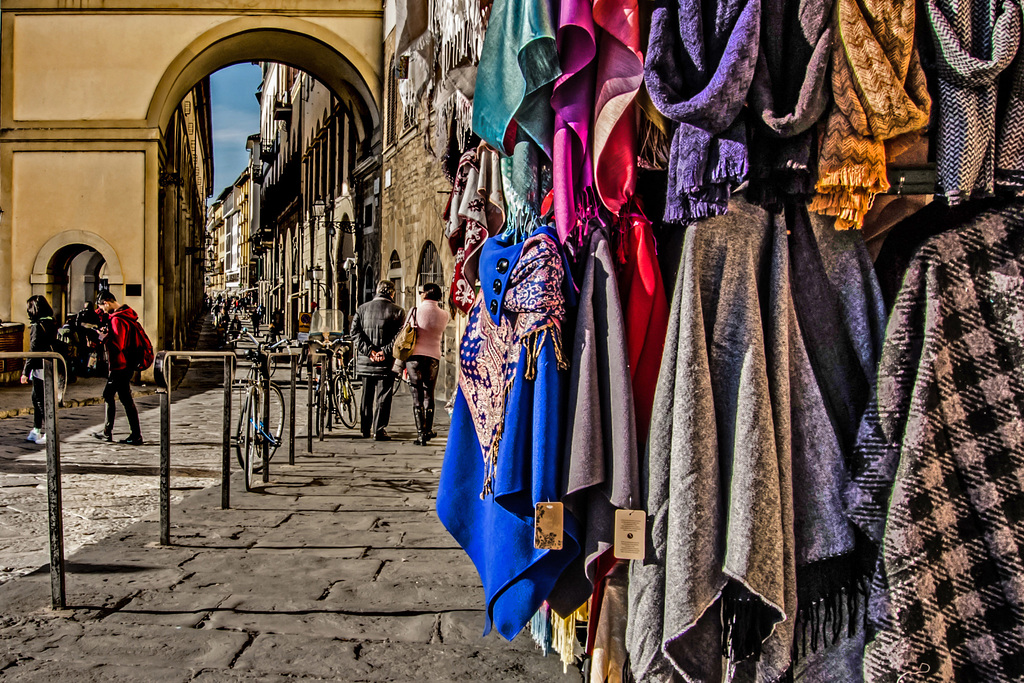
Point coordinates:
[[118, 336]]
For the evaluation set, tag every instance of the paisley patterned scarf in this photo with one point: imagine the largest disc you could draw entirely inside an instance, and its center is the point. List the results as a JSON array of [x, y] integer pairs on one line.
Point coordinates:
[[698, 73], [475, 211], [534, 306], [880, 95]]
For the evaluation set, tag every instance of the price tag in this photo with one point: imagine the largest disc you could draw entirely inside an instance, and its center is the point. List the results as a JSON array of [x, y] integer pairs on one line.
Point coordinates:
[[547, 526], [630, 534]]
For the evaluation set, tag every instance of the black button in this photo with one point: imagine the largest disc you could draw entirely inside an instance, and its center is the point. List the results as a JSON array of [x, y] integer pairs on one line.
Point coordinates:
[[494, 307], [496, 286], [502, 265]]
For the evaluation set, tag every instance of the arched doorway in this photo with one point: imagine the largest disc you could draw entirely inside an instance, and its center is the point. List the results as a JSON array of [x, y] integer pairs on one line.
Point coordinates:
[[429, 269], [395, 275], [122, 188], [72, 267]]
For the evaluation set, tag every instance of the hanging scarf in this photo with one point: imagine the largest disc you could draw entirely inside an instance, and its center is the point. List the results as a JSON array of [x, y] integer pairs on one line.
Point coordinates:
[[475, 211], [880, 95], [975, 42], [572, 101], [521, 177], [620, 73], [518, 67], [698, 73], [788, 95], [940, 461]]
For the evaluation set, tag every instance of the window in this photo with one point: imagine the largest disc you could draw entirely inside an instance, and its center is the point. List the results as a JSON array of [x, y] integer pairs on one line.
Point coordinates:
[[429, 269]]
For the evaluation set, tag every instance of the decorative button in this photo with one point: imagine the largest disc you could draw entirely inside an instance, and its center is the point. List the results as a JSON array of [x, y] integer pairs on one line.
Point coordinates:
[[496, 286], [502, 266], [494, 307]]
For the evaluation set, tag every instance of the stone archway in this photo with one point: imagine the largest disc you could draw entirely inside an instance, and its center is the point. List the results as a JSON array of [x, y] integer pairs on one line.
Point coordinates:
[[86, 94], [54, 257]]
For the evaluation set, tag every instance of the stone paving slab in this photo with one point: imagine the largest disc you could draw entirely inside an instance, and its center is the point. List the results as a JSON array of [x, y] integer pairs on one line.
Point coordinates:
[[338, 570]]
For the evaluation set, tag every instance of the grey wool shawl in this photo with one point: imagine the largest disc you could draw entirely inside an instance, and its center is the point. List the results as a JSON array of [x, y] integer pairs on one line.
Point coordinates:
[[599, 470], [743, 475], [939, 480]]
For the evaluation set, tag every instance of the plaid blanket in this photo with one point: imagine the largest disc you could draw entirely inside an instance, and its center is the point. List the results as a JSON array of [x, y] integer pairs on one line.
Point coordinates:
[[939, 482]]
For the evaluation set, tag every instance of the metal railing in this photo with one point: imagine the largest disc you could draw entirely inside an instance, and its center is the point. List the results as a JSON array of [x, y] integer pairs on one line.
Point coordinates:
[[54, 506]]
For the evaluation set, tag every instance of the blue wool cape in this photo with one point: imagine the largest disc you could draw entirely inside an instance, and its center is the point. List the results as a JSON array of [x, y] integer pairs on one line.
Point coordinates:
[[496, 529]]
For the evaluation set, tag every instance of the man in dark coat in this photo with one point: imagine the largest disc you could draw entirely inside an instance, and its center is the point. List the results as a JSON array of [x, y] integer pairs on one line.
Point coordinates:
[[375, 326]]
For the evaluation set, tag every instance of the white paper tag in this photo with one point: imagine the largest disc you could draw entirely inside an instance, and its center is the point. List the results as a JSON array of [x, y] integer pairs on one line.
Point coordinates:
[[547, 526], [630, 534]]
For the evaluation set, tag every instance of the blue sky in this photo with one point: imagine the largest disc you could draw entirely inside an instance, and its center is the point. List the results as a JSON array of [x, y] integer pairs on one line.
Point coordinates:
[[236, 116]]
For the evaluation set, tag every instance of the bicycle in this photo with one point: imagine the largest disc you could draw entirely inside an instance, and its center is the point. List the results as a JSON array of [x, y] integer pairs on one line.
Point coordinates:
[[338, 390], [256, 431]]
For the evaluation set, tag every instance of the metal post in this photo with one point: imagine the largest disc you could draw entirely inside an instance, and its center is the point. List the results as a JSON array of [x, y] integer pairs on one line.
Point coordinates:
[[309, 406], [225, 465], [321, 405], [56, 522], [265, 423], [165, 466], [293, 362]]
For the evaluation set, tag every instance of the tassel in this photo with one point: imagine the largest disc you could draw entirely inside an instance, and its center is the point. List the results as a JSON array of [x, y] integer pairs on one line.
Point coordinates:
[[540, 628], [563, 639]]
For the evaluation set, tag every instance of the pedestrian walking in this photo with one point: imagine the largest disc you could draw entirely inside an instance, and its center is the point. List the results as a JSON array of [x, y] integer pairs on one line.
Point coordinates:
[[119, 337], [424, 359], [41, 337], [374, 328], [276, 324]]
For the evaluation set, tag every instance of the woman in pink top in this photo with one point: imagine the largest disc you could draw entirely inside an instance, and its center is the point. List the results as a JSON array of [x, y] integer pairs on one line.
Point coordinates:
[[422, 364]]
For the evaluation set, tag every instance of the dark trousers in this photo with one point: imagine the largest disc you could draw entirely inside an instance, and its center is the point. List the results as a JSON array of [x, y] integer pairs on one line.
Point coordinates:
[[422, 380], [375, 407], [119, 384], [37, 403]]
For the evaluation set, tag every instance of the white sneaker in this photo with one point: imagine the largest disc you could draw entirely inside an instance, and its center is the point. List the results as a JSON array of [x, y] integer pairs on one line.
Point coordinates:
[[33, 435], [41, 439]]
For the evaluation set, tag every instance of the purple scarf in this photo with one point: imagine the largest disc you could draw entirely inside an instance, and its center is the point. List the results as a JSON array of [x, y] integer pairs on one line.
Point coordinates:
[[698, 73]]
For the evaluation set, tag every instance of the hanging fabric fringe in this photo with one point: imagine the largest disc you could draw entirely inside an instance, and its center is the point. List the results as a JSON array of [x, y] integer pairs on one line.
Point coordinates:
[[540, 628], [563, 635]]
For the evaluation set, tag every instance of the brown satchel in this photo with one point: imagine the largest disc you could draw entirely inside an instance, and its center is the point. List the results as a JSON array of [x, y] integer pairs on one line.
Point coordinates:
[[406, 338]]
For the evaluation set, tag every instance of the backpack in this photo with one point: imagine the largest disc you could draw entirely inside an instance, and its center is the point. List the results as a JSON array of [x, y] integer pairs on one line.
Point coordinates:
[[138, 352]]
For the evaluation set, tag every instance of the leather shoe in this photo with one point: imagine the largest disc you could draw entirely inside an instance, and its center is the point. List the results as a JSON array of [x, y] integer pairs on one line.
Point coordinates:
[[102, 436], [382, 436], [132, 441]]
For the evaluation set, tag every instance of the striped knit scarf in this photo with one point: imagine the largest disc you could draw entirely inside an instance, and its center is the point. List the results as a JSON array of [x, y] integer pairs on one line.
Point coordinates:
[[700, 61], [880, 96], [968, 154]]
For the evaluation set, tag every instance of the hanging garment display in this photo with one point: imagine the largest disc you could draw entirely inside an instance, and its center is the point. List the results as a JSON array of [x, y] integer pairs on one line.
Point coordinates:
[[609, 651], [974, 43], [698, 73], [517, 70], [504, 449], [599, 469], [572, 100], [938, 484], [880, 95], [646, 311], [788, 95], [475, 211], [739, 419], [620, 73]]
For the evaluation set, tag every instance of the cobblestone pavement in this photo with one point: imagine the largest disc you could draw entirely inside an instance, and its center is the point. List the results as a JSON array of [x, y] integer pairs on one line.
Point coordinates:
[[337, 570]]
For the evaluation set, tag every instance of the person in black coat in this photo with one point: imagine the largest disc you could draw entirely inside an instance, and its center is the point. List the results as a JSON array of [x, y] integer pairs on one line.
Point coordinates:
[[375, 326], [41, 338]]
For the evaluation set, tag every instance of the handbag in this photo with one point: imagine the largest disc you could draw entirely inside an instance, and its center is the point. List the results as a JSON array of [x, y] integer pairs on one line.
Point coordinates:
[[406, 338]]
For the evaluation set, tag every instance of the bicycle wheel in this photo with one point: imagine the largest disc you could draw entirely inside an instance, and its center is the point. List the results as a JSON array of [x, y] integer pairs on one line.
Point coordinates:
[[345, 399], [274, 423], [240, 429], [253, 440], [318, 412]]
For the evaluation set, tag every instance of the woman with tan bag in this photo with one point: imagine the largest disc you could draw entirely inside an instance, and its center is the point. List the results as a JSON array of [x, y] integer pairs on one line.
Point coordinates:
[[421, 365]]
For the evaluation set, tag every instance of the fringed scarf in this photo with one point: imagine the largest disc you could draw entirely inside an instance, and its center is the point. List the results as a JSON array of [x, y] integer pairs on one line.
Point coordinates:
[[475, 211], [698, 73], [620, 73], [880, 95], [524, 189], [518, 68], [975, 42], [458, 27], [573, 100], [788, 95], [532, 312]]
